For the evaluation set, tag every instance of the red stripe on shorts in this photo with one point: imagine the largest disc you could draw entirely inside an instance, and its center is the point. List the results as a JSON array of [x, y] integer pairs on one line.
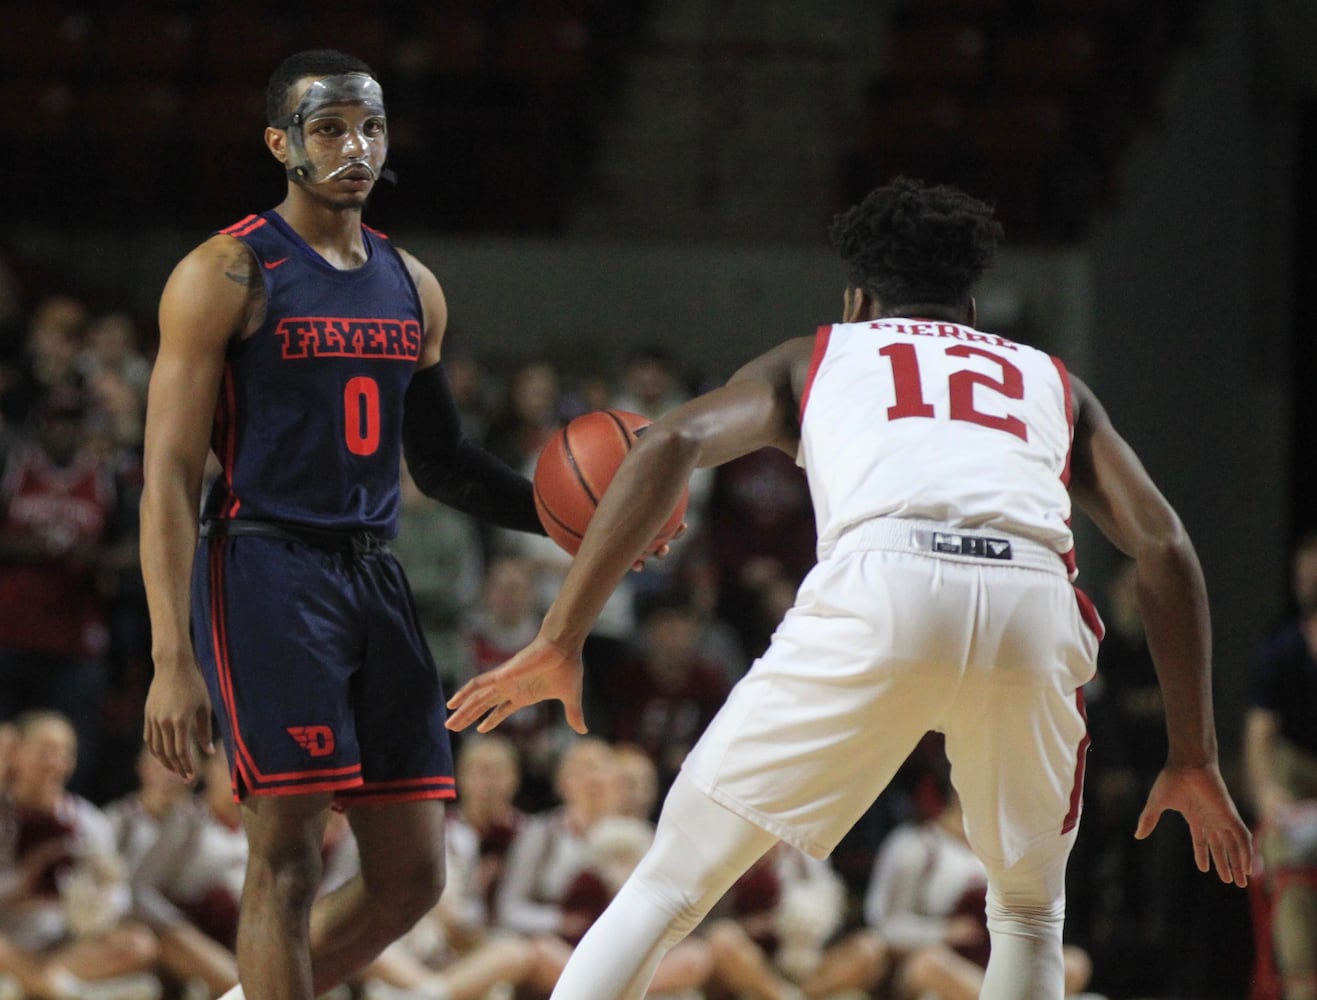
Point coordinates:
[[1081, 758]]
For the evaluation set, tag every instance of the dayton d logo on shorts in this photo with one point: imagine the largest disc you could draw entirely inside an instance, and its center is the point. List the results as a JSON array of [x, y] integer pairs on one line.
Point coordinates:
[[318, 741]]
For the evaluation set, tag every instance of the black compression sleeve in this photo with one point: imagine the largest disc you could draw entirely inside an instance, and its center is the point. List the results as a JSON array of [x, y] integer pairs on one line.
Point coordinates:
[[454, 470]]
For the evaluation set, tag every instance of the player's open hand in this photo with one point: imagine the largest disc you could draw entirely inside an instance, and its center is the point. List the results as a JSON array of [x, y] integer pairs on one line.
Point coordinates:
[[539, 672], [1219, 835], [178, 718]]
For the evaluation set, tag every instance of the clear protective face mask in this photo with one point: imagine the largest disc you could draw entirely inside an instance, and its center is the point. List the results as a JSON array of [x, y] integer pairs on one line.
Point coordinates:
[[324, 94]]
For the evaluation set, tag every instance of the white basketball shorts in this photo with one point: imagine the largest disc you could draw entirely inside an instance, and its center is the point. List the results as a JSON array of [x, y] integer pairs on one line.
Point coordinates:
[[902, 630]]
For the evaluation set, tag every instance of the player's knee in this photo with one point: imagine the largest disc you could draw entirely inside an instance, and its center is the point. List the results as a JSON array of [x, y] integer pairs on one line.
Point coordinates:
[[411, 897], [1031, 914]]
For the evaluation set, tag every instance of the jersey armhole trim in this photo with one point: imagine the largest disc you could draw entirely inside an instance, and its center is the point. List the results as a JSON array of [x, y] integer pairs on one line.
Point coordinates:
[[822, 335]]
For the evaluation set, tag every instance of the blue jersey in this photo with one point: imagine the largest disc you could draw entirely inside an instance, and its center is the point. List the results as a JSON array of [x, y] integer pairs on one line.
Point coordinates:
[[308, 426]]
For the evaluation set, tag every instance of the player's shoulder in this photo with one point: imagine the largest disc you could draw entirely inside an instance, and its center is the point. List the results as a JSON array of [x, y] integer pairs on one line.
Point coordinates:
[[220, 255]]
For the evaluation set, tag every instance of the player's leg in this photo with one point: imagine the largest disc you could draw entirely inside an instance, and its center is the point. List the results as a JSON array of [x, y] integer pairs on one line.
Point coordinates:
[[284, 835], [1020, 774], [700, 848], [401, 847]]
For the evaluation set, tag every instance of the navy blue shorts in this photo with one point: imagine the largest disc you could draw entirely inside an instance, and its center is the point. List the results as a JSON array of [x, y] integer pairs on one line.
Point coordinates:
[[318, 672]]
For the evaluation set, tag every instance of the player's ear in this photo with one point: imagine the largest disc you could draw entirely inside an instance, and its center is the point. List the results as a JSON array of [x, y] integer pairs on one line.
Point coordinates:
[[276, 141], [857, 305]]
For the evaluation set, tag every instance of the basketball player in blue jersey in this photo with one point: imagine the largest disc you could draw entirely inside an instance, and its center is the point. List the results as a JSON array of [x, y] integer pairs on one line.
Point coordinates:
[[302, 348], [942, 461]]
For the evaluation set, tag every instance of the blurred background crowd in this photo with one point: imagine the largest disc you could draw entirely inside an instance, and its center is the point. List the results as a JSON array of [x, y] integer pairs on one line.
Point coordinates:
[[636, 191]]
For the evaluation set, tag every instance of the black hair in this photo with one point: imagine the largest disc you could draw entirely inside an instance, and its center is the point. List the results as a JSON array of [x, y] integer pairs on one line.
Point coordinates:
[[298, 66], [909, 243]]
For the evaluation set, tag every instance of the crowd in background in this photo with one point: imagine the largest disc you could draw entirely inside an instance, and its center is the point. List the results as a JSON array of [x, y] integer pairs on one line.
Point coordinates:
[[546, 823]]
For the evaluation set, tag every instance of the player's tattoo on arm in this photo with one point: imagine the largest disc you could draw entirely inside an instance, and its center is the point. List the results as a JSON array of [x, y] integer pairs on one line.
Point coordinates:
[[246, 277]]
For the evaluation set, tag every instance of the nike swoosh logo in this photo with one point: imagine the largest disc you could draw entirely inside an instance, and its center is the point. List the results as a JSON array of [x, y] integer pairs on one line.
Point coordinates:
[[270, 265]]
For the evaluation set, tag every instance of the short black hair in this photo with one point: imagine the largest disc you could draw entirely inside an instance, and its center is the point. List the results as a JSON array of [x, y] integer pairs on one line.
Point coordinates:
[[910, 243], [310, 62]]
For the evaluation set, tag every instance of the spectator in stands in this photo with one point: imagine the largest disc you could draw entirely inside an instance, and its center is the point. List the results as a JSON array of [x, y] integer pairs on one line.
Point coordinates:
[[64, 895], [926, 934], [67, 517], [550, 847], [638, 781], [768, 933], [529, 415], [49, 360], [665, 696], [650, 384], [439, 549], [488, 779], [506, 618], [158, 830], [614, 846], [760, 532], [1280, 755], [113, 344]]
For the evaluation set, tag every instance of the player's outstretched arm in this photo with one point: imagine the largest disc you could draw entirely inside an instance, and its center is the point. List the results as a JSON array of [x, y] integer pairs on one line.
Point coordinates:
[[756, 408], [1110, 484]]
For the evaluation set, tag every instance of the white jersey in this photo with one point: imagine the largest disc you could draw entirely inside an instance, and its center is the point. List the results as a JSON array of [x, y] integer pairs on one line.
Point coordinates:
[[931, 420]]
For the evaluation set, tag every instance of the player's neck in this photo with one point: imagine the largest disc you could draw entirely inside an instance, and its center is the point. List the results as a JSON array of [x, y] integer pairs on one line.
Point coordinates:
[[332, 231]]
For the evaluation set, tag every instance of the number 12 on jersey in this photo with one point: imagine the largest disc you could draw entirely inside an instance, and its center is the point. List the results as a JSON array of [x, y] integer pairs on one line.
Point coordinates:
[[910, 401]]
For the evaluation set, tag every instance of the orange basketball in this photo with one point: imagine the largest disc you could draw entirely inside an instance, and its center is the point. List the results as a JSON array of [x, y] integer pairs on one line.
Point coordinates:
[[576, 466]]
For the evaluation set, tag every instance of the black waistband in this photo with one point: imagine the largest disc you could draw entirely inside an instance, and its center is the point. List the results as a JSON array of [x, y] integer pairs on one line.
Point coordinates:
[[347, 542]]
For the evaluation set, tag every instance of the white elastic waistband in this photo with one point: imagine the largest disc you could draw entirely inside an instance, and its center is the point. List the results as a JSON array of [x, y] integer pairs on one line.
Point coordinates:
[[943, 541]]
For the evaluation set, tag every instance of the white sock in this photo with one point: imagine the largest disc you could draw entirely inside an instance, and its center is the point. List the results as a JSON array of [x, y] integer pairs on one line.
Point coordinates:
[[234, 994], [1026, 962]]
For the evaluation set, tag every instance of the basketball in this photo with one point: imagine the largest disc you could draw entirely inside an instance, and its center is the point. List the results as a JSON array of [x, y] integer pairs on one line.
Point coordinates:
[[576, 466]]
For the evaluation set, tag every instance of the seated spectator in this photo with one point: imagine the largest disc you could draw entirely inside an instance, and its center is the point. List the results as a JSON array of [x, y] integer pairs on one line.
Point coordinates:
[[488, 777], [927, 931], [637, 776], [506, 618], [550, 848], [439, 549], [158, 830], [767, 936], [65, 519], [663, 699], [65, 929], [1280, 754], [52, 341], [614, 846]]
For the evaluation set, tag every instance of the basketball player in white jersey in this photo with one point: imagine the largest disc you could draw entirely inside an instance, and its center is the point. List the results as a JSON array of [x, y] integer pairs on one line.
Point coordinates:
[[942, 462]]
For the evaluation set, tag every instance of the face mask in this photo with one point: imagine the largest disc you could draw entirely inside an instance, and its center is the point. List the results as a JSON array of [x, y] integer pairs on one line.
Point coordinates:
[[359, 138]]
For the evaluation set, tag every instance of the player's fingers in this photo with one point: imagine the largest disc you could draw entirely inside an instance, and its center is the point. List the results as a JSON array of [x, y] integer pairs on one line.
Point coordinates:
[[1202, 852], [575, 717], [183, 741], [500, 712], [1147, 822]]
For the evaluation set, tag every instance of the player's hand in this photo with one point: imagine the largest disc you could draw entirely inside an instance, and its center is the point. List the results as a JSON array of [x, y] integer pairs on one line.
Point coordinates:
[[1219, 835], [539, 672], [178, 718]]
